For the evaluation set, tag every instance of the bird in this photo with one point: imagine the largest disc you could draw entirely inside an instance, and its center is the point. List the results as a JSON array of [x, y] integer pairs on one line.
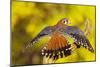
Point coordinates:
[[58, 41]]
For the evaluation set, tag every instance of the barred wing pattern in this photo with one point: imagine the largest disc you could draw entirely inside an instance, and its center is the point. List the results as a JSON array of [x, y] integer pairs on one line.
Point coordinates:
[[79, 37]]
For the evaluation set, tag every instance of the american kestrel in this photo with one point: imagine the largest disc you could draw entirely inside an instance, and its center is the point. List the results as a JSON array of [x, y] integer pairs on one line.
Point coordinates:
[[58, 44]]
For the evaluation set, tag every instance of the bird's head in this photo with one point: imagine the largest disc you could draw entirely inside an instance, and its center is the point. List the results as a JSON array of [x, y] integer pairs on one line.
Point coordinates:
[[63, 22]]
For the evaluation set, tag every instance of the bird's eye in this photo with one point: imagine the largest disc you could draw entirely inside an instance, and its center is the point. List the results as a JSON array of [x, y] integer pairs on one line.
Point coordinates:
[[65, 22]]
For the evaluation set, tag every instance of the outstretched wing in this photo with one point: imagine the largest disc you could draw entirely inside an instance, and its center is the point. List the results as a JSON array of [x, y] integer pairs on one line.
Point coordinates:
[[79, 37], [44, 32]]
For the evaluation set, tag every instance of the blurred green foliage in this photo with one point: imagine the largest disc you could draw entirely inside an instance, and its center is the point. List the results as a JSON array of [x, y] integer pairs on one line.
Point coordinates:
[[29, 18]]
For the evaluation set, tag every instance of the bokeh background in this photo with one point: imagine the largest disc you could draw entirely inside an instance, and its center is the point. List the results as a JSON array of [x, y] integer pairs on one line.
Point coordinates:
[[29, 18]]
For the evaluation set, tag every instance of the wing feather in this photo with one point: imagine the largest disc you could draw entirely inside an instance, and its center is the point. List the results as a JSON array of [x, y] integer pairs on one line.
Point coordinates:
[[79, 37], [44, 32]]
